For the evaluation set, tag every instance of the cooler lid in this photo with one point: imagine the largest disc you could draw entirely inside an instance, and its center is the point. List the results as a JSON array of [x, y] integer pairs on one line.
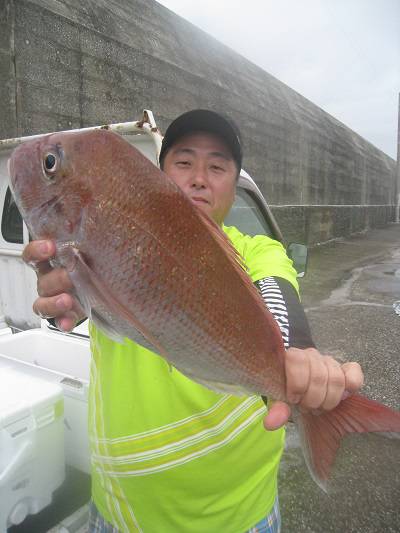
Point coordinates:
[[21, 393]]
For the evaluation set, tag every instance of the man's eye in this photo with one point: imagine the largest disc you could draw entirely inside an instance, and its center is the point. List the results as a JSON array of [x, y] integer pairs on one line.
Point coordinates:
[[183, 163], [217, 168]]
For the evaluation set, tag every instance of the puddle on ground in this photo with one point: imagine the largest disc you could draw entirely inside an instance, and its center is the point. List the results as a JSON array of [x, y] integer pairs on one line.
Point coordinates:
[[379, 279], [395, 273]]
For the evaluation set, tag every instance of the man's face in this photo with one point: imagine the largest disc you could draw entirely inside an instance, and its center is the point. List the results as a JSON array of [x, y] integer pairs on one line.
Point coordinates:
[[201, 164]]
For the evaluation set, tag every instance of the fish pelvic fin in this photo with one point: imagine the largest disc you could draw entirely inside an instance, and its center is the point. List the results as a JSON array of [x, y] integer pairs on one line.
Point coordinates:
[[321, 434]]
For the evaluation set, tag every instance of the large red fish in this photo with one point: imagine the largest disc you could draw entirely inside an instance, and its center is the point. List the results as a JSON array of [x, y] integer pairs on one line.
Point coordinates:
[[148, 265]]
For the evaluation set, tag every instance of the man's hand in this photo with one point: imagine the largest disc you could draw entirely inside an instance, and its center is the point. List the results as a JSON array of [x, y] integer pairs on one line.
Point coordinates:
[[54, 284], [314, 382]]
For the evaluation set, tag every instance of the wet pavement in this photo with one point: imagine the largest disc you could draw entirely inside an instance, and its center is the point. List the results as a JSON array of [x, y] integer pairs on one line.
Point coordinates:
[[348, 294]]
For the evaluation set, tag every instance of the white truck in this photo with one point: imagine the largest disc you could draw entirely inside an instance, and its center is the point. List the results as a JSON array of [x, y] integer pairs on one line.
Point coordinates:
[[43, 428]]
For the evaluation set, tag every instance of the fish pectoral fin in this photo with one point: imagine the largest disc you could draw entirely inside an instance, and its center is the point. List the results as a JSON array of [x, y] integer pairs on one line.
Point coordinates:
[[97, 294]]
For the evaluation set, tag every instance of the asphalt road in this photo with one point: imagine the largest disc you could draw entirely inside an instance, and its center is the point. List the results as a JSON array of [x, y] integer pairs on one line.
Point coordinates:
[[348, 293]]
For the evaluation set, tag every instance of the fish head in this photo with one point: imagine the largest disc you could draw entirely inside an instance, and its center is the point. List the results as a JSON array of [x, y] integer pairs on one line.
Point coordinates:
[[51, 185]]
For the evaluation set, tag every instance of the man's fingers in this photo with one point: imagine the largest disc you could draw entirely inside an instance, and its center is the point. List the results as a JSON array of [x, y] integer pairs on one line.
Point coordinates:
[[315, 381], [354, 377], [37, 255], [38, 251], [54, 282], [67, 322], [55, 306], [53, 286], [278, 415], [63, 308], [317, 387], [336, 384], [297, 374]]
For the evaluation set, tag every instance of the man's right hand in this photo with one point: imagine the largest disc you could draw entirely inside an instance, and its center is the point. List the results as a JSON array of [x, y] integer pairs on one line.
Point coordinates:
[[54, 287]]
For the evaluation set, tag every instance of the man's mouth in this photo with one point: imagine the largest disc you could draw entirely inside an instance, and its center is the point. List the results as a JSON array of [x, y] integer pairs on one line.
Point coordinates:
[[199, 199]]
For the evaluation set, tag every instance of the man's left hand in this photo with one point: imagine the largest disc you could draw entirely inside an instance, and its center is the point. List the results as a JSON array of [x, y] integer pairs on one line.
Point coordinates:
[[314, 382]]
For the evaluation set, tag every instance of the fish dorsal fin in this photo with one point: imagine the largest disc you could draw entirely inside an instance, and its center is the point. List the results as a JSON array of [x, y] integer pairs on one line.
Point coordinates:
[[223, 240], [233, 255]]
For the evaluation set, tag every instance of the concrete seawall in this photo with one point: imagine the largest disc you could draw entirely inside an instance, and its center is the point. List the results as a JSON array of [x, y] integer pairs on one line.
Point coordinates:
[[69, 64], [322, 223]]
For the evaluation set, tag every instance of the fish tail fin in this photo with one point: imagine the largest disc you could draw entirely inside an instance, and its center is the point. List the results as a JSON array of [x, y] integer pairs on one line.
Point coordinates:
[[321, 434]]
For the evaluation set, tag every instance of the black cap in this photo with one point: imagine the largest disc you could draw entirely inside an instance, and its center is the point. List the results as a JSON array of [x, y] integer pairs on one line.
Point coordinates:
[[204, 120]]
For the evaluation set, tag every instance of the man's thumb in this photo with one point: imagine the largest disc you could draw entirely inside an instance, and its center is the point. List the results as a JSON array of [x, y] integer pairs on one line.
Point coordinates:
[[278, 415]]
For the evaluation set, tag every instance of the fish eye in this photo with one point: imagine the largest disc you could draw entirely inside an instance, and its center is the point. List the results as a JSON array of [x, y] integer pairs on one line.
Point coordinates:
[[50, 165]]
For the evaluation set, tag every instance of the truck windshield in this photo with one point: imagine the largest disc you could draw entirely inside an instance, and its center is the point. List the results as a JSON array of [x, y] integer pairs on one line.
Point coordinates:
[[246, 215], [11, 222]]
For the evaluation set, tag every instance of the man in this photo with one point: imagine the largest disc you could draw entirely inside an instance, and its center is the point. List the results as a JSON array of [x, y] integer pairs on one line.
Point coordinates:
[[169, 454]]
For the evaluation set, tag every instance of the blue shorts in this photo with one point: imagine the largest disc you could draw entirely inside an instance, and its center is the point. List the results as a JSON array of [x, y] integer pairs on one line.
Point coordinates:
[[269, 524]]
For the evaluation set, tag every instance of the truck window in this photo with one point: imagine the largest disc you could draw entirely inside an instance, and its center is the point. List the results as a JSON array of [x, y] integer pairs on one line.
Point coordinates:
[[11, 222], [246, 215]]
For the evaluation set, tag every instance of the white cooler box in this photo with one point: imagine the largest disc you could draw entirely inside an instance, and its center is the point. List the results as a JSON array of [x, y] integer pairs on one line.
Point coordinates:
[[64, 360], [32, 463]]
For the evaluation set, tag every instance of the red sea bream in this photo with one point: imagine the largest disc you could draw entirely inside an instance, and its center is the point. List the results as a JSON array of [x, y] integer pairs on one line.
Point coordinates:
[[148, 265]]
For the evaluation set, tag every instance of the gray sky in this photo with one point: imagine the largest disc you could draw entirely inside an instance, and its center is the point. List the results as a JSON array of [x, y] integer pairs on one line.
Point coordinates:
[[343, 55]]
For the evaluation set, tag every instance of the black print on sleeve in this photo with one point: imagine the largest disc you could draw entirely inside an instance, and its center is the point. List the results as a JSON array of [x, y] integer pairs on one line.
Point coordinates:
[[282, 300]]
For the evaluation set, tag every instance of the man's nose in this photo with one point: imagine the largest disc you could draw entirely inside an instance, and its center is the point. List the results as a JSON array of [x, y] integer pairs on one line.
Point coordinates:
[[199, 178]]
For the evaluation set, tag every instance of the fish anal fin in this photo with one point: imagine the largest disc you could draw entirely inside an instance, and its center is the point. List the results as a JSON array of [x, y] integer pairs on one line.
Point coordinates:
[[321, 434]]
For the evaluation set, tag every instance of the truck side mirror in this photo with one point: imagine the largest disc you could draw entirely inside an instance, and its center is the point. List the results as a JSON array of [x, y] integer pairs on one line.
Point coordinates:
[[298, 253]]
